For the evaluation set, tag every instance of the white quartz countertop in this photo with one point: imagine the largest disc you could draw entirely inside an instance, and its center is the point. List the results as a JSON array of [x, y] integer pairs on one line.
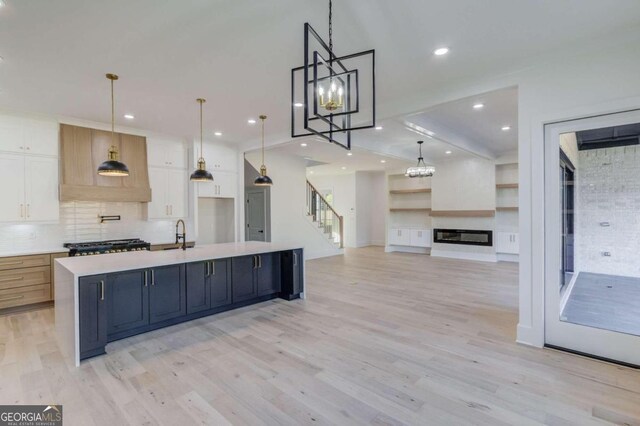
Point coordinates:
[[106, 263]]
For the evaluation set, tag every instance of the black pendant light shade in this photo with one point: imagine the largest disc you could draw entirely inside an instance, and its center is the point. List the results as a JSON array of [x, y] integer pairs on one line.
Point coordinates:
[[201, 174], [113, 167], [263, 179]]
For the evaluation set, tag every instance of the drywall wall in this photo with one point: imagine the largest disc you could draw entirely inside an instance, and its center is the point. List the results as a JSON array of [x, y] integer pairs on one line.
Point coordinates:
[[467, 184], [215, 220], [289, 221], [607, 192]]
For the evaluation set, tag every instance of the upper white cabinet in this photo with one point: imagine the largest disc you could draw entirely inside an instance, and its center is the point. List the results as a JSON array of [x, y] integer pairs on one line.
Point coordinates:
[[169, 189], [224, 185], [218, 157], [32, 195], [28, 136], [166, 153]]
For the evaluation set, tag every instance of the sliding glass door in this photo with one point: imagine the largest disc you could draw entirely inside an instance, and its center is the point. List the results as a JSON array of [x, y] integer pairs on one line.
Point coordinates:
[[592, 236]]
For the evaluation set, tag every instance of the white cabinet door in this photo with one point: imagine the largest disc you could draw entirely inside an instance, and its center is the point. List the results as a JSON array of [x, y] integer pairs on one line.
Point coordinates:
[[12, 176], [218, 157], [158, 208], [177, 193], [162, 153], [399, 237], [11, 134], [507, 242], [224, 185], [421, 237], [41, 189], [41, 137]]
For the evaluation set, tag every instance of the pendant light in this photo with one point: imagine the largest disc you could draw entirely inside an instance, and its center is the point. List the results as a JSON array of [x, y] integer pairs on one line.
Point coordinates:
[[421, 169], [201, 174], [113, 167], [263, 179]]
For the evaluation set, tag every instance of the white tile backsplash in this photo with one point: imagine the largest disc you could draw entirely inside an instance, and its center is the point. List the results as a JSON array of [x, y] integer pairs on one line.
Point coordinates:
[[79, 221]]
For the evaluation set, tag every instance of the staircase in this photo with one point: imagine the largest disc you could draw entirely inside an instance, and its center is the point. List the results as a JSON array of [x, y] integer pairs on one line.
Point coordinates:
[[324, 216]]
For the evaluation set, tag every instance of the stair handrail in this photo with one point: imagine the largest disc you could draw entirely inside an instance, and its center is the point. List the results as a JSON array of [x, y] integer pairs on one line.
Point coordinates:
[[340, 218]]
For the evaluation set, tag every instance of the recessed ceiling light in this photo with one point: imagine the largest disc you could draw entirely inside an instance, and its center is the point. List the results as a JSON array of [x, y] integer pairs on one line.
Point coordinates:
[[349, 154], [383, 161], [1, 3], [441, 51], [251, 121], [298, 105], [343, 168], [311, 172], [478, 106], [129, 116], [505, 128], [447, 152], [217, 133], [379, 127], [303, 144]]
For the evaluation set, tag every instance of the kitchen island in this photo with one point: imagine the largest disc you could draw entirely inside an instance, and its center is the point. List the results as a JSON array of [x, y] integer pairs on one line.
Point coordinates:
[[100, 299]]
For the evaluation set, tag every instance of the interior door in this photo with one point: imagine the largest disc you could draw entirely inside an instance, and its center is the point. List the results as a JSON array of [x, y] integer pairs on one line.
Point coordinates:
[[560, 331], [256, 216]]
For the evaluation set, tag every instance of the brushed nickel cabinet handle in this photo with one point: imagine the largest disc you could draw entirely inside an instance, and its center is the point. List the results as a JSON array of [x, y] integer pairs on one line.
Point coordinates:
[[21, 210], [260, 261], [295, 258], [213, 268], [2, 280], [28, 214], [4, 299], [153, 277], [255, 262], [146, 278], [101, 289]]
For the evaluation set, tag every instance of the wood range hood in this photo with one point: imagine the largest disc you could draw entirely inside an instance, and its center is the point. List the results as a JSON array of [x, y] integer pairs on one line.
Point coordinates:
[[83, 149]]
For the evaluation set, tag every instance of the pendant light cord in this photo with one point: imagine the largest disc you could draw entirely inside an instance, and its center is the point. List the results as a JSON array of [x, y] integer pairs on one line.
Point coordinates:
[[263, 118], [113, 115], [201, 152]]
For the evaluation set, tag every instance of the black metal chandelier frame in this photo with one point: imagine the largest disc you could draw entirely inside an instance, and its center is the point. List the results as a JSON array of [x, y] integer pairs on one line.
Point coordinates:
[[334, 123]]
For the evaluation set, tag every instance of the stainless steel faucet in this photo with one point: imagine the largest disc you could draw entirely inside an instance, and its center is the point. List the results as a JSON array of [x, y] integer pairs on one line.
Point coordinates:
[[182, 236]]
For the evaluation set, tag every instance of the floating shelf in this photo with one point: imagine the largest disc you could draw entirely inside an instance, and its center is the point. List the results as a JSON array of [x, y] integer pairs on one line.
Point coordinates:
[[506, 185], [507, 209], [411, 191], [410, 210], [463, 213]]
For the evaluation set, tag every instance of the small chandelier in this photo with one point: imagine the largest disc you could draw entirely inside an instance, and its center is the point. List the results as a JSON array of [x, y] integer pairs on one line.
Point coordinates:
[[113, 167], [201, 174], [421, 169], [263, 179]]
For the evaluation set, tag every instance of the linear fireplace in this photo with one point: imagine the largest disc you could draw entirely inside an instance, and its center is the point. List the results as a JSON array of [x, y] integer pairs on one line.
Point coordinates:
[[470, 237]]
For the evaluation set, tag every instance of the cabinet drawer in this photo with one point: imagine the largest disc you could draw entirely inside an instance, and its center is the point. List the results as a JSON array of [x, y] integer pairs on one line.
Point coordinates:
[[24, 261], [24, 277], [25, 295]]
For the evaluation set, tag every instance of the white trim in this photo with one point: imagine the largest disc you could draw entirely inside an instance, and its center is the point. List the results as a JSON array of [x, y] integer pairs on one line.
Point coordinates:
[[406, 249], [508, 257], [465, 255], [567, 291], [324, 253]]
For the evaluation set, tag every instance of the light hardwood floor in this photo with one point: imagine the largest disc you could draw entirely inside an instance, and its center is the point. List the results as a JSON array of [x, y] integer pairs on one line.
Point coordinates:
[[381, 339]]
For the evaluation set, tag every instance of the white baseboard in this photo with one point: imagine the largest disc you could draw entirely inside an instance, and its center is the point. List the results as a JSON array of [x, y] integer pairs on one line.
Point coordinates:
[[483, 257], [407, 249], [506, 257], [324, 253], [530, 337]]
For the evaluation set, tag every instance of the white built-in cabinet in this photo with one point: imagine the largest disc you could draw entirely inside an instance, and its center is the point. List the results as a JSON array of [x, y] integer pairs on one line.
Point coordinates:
[[28, 170], [222, 163], [507, 242], [168, 178], [409, 237], [224, 185]]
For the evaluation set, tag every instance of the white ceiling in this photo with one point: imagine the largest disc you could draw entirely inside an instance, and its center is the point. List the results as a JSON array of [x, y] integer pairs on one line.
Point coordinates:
[[238, 54]]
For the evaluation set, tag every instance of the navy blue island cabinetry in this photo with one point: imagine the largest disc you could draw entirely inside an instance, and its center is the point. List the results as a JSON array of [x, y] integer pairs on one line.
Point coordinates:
[[119, 304]]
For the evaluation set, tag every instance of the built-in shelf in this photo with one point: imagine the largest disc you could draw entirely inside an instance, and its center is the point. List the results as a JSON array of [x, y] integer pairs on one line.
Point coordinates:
[[506, 185], [507, 209], [463, 213], [411, 191], [410, 210]]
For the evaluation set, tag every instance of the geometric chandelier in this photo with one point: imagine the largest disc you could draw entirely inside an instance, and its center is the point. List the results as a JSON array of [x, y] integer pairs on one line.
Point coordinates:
[[331, 95]]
